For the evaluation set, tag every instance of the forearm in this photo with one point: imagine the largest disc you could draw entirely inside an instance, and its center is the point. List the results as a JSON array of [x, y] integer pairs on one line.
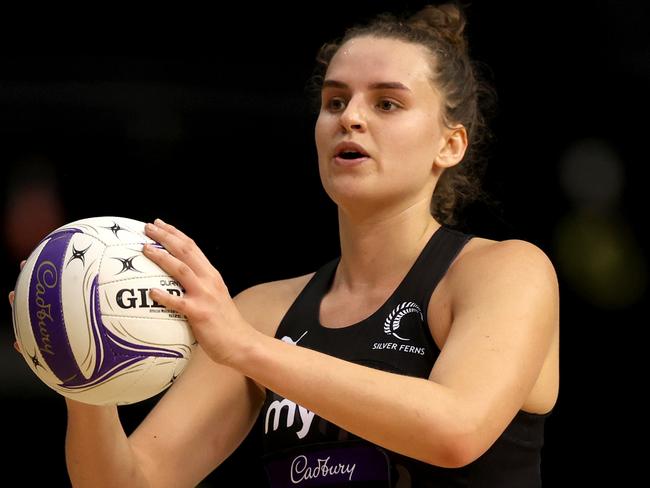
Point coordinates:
[[408, 415], [98, 453]]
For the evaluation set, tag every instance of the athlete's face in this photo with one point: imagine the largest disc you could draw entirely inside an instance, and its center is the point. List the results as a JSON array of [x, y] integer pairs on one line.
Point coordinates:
[[378, 94]]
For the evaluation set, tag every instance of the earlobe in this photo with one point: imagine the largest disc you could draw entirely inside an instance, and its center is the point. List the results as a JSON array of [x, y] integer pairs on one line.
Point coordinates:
[[454, 148]]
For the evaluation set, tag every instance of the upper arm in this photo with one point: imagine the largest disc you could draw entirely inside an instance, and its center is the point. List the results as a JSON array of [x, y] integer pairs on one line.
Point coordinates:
[[207, 412], [504, 315]]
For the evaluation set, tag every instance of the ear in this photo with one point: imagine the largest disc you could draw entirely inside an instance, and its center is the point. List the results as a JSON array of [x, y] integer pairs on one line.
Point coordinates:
[[453, 148]]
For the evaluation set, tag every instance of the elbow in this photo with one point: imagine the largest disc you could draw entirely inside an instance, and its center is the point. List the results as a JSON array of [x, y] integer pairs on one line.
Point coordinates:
[[456, 454], [458, 447], [460, 454]]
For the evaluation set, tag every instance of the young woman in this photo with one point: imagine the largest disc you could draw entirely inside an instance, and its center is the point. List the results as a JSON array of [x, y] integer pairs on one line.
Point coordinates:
[[421, 357]]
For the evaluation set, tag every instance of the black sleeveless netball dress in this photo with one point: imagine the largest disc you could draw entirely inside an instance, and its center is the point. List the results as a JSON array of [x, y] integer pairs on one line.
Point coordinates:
[[301, 449]]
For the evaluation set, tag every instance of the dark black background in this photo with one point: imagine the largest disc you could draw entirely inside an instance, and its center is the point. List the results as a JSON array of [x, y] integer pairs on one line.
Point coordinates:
[[200, 117]]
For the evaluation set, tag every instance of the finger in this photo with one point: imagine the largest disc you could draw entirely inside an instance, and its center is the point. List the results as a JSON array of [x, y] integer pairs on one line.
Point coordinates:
[[12, 296], [178, 237], [173, 266], [17, 347], [22, 264], [172, 302], [180, 246], [169, 228]]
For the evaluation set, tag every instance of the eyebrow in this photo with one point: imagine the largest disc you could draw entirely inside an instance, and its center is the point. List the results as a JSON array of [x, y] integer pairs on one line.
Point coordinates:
[[382, 85]]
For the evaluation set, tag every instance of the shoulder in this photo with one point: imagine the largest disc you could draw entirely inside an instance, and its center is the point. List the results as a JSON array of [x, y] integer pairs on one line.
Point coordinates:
[[508, 268], [265, 304], [512, 257]]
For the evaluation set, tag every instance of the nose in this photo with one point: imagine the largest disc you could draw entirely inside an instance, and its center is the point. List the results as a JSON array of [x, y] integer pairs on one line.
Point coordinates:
[[353, 118]]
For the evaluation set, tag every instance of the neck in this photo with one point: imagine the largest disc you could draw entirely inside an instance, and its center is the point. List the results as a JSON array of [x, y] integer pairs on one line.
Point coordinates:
[[377, 251]]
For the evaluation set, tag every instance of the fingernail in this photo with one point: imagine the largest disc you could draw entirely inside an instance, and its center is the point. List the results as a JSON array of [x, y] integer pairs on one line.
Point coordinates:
[[158, 221]]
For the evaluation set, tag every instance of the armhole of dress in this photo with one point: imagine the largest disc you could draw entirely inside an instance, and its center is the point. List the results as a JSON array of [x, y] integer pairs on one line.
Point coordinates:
[[304, 292], [428, 292]]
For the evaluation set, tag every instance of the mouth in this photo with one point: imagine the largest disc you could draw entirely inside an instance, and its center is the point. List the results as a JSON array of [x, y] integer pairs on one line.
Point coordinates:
[[350, 153]]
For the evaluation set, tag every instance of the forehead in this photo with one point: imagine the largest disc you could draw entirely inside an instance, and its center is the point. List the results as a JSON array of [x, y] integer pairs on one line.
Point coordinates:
[[381, 59]]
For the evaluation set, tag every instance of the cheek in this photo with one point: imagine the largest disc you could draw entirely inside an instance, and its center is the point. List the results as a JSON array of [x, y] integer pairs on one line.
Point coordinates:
[[414, 140], [408, 153], [320, 133]]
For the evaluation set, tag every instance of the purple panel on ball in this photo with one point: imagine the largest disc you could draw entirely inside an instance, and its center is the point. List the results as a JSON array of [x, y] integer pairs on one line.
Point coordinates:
[[45, 308]]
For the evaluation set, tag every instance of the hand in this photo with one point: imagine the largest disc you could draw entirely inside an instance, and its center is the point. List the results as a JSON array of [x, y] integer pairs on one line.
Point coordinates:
[[215, 320], [12, 295]]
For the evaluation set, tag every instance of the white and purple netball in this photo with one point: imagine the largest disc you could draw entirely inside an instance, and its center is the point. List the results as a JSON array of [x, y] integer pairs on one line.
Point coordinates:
[[84, 320]]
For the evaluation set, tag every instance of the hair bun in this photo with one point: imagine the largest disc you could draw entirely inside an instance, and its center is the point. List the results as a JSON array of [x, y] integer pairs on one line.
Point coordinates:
[[444, 21]]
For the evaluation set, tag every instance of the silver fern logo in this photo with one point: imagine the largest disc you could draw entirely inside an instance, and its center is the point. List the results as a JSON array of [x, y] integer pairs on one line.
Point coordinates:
[[394, 318]]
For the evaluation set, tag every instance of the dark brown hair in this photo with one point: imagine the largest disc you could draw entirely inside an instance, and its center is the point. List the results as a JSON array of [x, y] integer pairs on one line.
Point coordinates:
[[441, 30]]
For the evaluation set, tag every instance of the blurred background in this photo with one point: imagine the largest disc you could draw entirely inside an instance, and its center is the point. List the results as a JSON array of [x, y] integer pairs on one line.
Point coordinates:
[[203, 120]]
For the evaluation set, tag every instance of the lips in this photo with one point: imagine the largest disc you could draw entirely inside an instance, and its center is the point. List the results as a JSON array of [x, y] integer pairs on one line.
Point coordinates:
[[350, 153]]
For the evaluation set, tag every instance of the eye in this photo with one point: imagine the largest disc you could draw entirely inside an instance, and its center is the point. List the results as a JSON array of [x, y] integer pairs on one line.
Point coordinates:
[[386, 105], [335, 104]]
